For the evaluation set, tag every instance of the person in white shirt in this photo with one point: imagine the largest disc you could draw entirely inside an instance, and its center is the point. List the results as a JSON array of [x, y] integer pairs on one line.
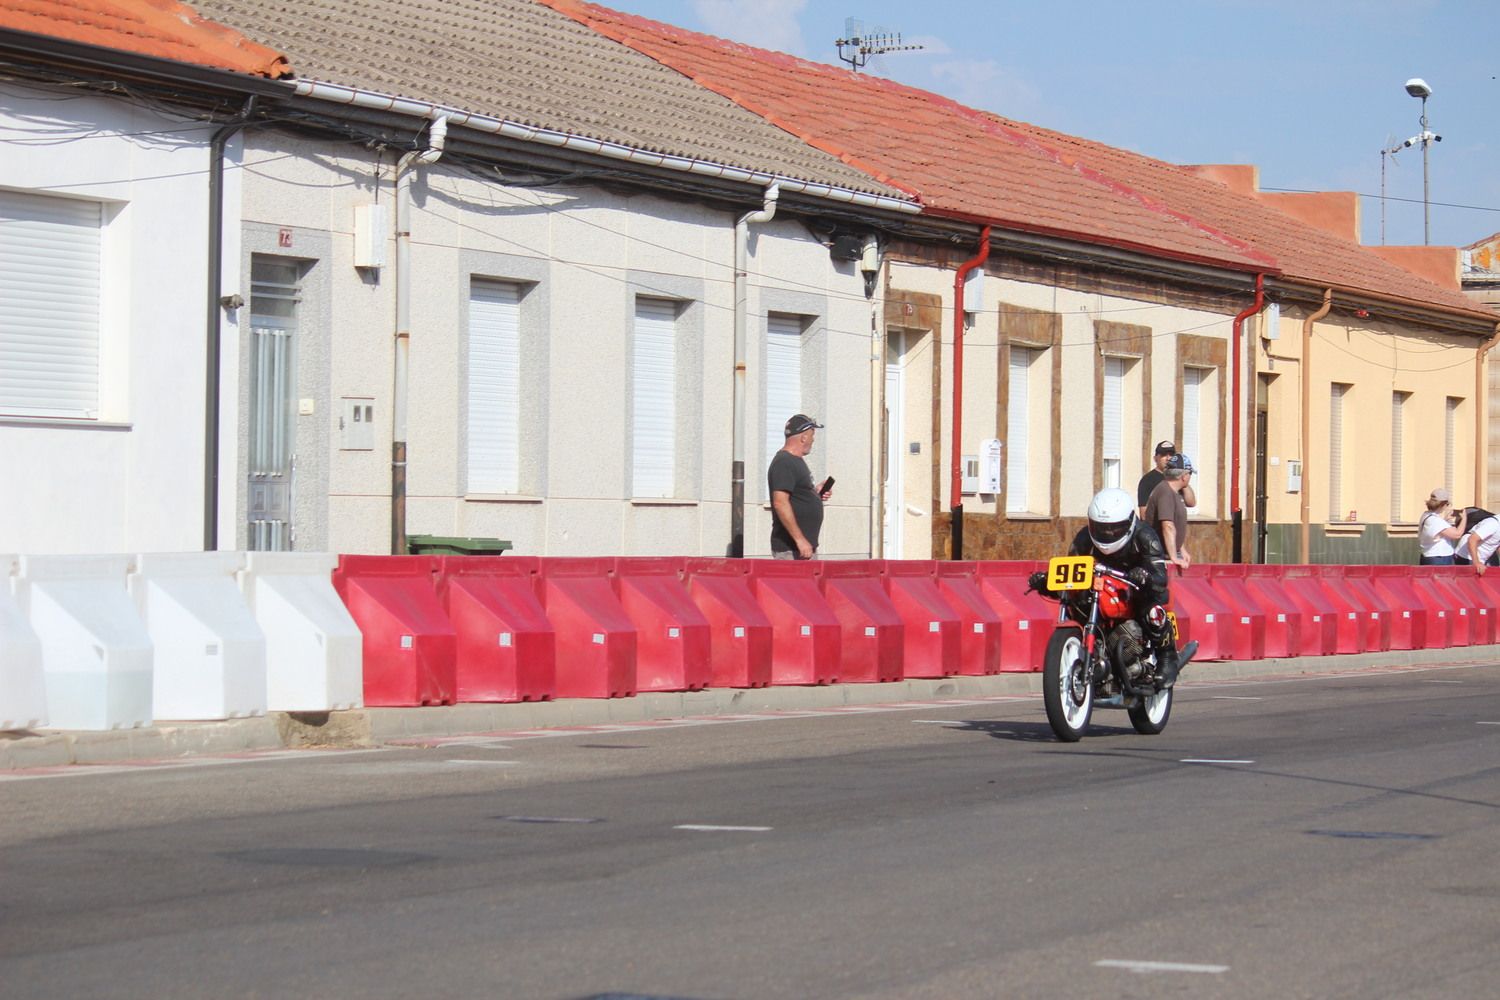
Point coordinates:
[[1436, 531], [1479, 545]]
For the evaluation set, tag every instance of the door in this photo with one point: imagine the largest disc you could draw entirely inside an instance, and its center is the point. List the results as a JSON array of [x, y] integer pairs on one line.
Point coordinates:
[[893, 423], [274, 297]]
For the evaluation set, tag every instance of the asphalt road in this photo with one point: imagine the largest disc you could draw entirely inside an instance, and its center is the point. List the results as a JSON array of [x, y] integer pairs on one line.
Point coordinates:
[[1320, 837]]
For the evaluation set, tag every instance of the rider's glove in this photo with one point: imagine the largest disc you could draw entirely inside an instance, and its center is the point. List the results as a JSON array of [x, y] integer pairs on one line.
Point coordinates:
[[1037, 581], [1139, 575]]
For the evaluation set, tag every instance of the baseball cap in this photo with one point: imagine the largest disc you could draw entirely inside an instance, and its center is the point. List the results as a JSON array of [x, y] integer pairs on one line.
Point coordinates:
[[800, 422], [1166, 448], [1440, 495], [1180, 461]]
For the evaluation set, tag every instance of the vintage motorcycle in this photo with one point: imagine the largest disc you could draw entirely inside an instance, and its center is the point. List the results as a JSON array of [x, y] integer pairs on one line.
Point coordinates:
[[1098, 655]]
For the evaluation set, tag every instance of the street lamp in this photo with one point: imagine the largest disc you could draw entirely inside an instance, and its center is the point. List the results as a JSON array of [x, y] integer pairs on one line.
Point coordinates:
[[1418, 88]]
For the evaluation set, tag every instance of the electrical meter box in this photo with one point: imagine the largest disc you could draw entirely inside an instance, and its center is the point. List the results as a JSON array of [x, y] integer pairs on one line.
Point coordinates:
[[989, 465], [357, 424]]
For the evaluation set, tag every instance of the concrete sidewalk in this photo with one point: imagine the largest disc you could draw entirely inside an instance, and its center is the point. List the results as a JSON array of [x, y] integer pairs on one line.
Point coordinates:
[[372, 726]]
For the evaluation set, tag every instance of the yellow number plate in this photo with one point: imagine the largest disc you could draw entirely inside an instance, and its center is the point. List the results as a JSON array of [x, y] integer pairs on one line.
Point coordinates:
[[1070, 573]]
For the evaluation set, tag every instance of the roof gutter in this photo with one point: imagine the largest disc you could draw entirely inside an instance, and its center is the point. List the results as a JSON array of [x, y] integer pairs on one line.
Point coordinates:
[[338, 94], [1481, 421], [955, 492], [1237, 373], [1307, 332]]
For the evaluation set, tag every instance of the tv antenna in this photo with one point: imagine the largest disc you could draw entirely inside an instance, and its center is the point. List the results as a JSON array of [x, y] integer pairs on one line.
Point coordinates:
[[856, 47], [1391, 148]]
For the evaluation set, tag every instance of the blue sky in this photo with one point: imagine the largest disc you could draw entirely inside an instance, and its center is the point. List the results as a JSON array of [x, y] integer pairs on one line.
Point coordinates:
[[1310, 91]]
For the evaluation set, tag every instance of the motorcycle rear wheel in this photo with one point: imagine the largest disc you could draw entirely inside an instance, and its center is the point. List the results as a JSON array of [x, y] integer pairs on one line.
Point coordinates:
[[1067, 687], [1149, 714]]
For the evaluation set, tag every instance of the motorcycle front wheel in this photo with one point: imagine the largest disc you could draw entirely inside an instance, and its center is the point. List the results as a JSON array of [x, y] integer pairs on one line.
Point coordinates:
[[1149, 714], [1067, 688]]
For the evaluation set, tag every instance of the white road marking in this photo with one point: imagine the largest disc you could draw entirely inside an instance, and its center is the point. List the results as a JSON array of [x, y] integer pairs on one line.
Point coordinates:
[[1428, 680], [942, 722], [1210, 760], [1140, 966], [1487, 723], [703, 828], [1235, 697], [491, 763]]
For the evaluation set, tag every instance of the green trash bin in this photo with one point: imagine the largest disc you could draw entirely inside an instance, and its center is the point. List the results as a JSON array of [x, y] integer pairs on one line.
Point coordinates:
[[445, 545]]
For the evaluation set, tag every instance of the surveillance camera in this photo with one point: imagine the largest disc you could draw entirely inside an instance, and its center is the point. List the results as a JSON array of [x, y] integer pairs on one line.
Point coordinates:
[[1417, 87], [1407, 143]]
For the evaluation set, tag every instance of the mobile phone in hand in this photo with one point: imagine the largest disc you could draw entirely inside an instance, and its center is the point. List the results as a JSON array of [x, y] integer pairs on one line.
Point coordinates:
[[827, 485]]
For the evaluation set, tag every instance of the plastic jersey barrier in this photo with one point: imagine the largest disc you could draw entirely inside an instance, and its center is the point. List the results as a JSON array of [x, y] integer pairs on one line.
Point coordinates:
[[1306, 589], [1396, 628], [1372, 634], [872, 645], [1247, 622], [807, 640], [506, 650], [1441, 615], [1283, 624], [1440, 583], [1026, 620], [23, 685], [1347, 612], [1411, 622], [1379, 612], [410, 647], [672, 645], [739, 631], [1202, 615], [932, 640], [596, 641], [96, 652], [1479, 604], [979, 624], [1312, 635], [210, 654], [313, 647]]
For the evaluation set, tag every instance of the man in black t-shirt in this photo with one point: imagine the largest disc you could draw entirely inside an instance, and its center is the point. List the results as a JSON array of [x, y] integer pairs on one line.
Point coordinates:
[[796, 505], [1154, 478]]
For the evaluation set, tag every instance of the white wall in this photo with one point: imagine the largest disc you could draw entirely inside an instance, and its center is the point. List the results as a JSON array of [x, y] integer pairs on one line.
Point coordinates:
[[130, 480]]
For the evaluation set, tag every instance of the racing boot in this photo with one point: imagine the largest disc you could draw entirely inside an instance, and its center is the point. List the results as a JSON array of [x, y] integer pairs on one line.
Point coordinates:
[[1159, 634]]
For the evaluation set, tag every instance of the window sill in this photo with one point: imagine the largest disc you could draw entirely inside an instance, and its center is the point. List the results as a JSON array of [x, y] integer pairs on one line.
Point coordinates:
[[500, 498], [1344, 528], [1026, 515], [1402, 529], [65, 423], [661, 502]]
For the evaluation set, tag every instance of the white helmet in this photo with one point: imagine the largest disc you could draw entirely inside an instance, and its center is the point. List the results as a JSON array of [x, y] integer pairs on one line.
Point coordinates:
[[1111, 519]]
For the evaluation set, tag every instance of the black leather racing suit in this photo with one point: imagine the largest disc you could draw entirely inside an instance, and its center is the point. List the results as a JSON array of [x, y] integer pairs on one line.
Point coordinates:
[[1144, 558]]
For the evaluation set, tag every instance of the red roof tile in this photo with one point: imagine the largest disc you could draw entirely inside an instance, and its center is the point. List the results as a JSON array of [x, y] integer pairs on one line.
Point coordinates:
[[972, 164], [161, 28]]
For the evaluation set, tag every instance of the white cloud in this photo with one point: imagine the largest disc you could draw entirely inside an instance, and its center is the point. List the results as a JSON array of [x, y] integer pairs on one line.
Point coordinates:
[[766, 24]]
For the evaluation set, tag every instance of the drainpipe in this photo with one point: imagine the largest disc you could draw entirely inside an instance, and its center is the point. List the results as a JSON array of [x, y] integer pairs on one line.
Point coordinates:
[[766, 213], [436, 138], [1481, 446], [215, 291], [1236, 515], [1307, 327], [956, 486]]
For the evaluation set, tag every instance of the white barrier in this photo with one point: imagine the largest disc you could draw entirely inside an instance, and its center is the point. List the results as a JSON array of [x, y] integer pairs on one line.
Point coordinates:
[[210, 653], [314, 651], [23, 686], [96, 653]]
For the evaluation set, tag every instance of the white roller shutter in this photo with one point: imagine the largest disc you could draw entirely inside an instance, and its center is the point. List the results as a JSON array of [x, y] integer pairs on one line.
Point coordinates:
[[783, 378], [1192, 409], [494, 387], [1336, 452], [1113, 418], [654, 399], [1017, 408], [49, 305]]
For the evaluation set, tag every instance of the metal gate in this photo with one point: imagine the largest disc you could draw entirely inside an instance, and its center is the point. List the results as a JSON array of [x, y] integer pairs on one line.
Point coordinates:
[[274, 295]]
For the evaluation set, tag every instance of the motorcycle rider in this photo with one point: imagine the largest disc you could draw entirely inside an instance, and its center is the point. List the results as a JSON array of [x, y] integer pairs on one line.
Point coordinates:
[[1116, 537]]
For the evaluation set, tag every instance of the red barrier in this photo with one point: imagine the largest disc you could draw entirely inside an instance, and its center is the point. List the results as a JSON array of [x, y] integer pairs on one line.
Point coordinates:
[[1409, 616], [1435, 602], [806, 642], [1318, 628], [979, 633], [1480, 603], [1440, 587], [410, 647], [671, 634], [1360, 607], [596, 641], [506, 647], [1280, 626], [1203, 615], [1026, 620], [1247, 623], [739, 631], [873, 636], [931, 624], [1382, 610], [1350, 631]]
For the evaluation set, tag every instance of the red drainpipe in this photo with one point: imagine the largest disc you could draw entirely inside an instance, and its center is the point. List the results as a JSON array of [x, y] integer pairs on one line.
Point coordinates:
[[1236, 516], [956, 488]]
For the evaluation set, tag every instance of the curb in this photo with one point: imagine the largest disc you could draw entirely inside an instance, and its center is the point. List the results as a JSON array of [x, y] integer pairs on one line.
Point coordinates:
[[366, 727]]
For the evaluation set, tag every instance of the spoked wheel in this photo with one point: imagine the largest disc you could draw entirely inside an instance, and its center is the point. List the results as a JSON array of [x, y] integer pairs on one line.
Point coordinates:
[[1149, 714], [1067, 688]]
